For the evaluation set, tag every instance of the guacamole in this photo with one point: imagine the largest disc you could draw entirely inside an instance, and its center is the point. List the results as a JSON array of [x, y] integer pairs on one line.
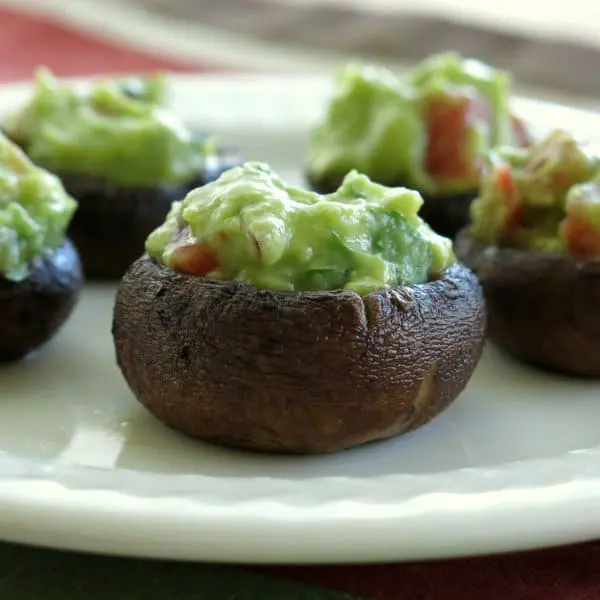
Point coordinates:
[[35, 211], [114, 129], [252, 227], [428, 130], [545, 198], [149, 88]]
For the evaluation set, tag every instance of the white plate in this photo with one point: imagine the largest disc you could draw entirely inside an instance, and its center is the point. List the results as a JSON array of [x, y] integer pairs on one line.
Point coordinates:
[[514, 463]]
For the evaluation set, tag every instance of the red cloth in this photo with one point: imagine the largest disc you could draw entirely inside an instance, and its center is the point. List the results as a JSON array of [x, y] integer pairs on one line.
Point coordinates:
[[27, 41], [566, 573], [571, 573]]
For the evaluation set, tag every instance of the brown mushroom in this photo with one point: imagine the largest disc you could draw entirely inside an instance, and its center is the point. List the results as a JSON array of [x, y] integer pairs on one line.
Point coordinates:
[[543, 307], [33, 310], [112, 221], [295, 372]]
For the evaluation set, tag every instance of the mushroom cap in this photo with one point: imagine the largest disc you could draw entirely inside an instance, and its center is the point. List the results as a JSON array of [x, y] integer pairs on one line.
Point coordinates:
[[294, 372], [543, 308], [113, 221], [33, 310]]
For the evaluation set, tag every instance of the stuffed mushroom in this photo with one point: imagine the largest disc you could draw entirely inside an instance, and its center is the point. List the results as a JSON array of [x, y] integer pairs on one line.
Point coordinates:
[[534, 242], [268, 317], [121, 153], [40, 272], [428, 130]]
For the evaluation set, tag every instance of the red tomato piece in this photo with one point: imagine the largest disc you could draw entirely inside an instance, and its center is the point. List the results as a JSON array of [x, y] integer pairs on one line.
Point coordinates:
[[580, 237], [521, 133], [194, 259], [506, 184], [448, 120]]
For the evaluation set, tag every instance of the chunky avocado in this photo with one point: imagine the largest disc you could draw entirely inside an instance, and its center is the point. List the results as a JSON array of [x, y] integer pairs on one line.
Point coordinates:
[[271, 318], [121, 153], [251, 226], [446, 215], [429, 130], [40, 270], [534, 243]]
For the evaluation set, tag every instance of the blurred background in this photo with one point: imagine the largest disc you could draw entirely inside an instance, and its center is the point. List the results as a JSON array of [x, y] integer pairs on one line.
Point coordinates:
[[553, 49]]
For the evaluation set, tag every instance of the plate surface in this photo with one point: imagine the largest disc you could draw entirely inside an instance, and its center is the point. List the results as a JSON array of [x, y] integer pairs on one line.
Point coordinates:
[[514, 463]]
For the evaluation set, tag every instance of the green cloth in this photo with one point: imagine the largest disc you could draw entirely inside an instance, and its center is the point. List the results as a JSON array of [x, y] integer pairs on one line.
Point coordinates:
[[40, 574]]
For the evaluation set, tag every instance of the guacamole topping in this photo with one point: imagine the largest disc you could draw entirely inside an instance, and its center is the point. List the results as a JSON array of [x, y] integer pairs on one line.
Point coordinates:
[[35, 211], [429, 129], [252, 227], [546, 198], [115, 129], [149, 88]]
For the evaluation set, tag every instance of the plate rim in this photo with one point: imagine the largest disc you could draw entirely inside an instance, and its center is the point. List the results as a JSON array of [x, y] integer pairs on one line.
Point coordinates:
[[411, 504]]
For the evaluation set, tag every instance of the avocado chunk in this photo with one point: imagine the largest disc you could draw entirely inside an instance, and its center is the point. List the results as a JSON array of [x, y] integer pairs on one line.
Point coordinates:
[[271, 318], [446, 215]]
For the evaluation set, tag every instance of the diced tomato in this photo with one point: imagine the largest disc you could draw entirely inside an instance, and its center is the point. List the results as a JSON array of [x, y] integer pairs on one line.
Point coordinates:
[[506, 184], [522, 135], [581, 238], [448, 120], [194, 259]]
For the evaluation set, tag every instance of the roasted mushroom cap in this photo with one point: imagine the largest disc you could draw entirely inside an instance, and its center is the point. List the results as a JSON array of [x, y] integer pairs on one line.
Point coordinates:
[[446, 215], [33, 310], [543, 308], [112, 222], [295, 372]]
